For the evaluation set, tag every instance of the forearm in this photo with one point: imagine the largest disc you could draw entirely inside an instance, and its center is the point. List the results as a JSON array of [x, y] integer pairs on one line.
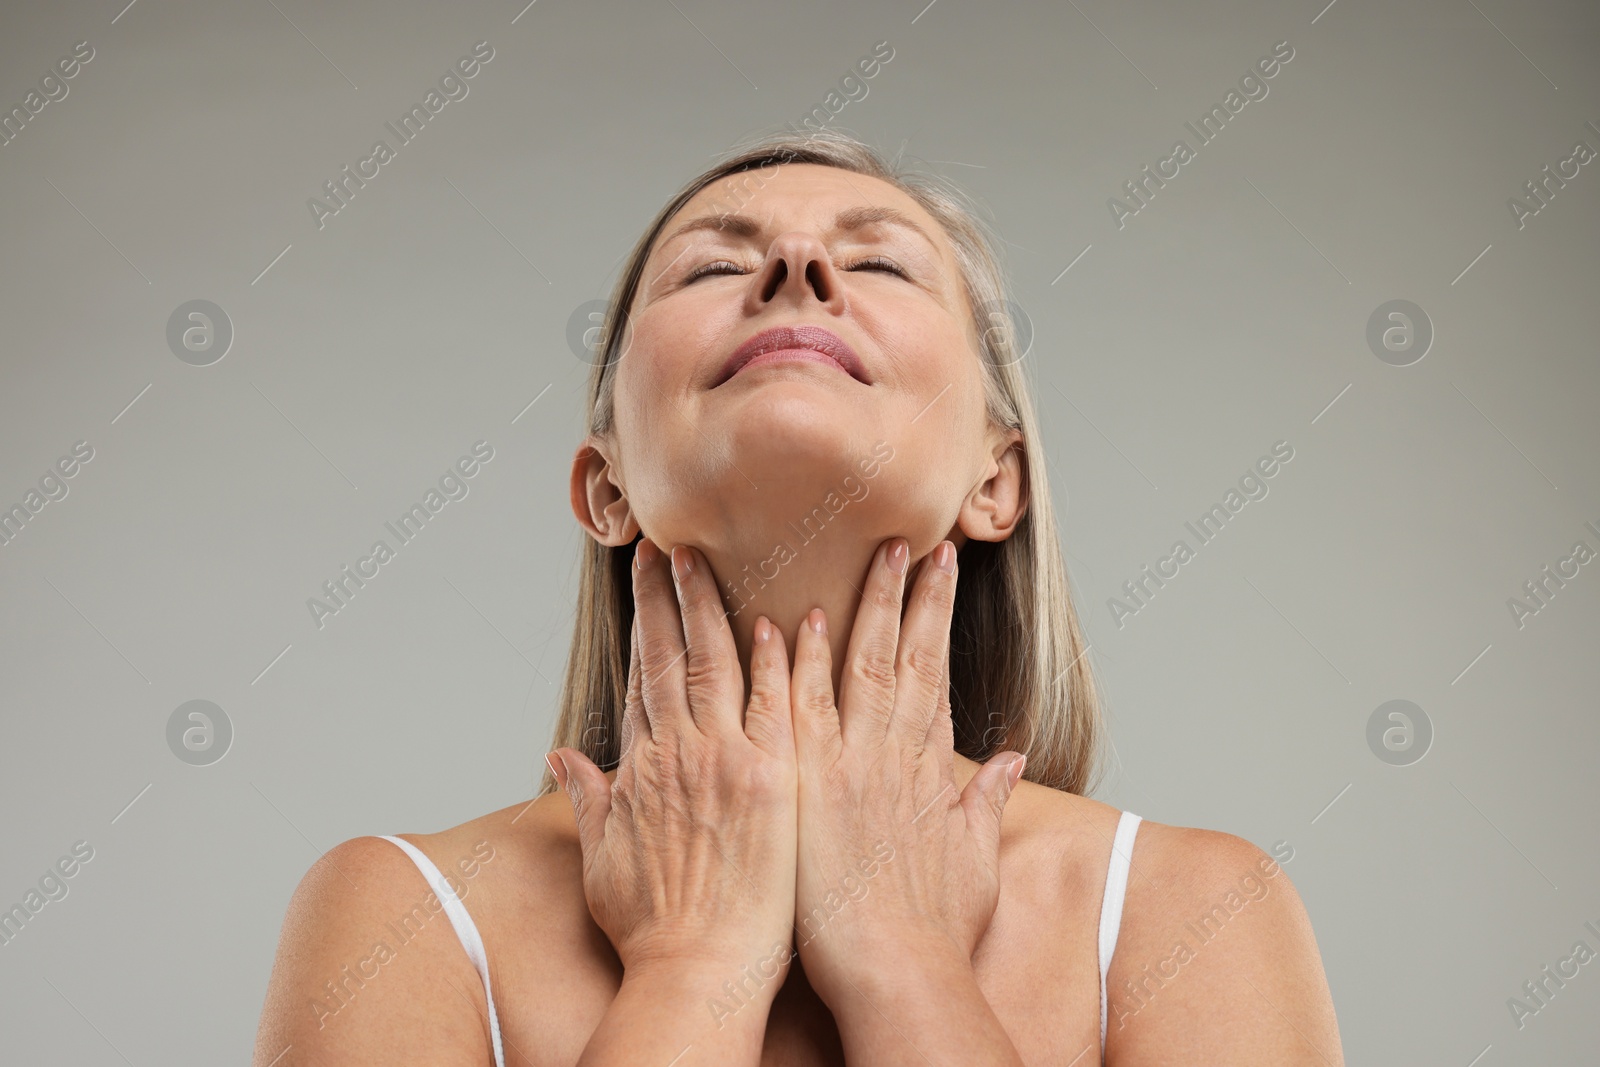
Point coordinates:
[[680, 1016], [920, 1010]]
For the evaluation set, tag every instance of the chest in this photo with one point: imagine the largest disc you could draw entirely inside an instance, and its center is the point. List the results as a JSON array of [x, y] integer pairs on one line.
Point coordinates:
[[1038, 970]]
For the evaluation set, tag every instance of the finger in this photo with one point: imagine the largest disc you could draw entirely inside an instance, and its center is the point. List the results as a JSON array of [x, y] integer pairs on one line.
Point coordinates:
[[984, 800], [816, 718], [924, 650], [588, 790], [635, 725], [867, 688], [661, 646], [935, 759], [940, 741], [713, 682], [768, 721]]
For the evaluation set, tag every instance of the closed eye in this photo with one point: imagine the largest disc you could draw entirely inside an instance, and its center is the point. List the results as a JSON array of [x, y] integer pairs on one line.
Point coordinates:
[[877, 263], [723, 266], [713, 268]]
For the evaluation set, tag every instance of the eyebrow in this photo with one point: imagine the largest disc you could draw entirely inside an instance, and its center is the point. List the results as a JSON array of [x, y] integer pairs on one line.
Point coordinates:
[[847, 221]]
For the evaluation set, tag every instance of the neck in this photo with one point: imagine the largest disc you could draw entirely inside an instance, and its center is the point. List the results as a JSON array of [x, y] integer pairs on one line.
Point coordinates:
[[798, 568], [803, 569], [828, 571]]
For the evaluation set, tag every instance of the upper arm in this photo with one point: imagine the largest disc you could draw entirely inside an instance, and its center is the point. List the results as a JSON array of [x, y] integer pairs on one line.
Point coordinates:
[[1216, 961], [370, 971]]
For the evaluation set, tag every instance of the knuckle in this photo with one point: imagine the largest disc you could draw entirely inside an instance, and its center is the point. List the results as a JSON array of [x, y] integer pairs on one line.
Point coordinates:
[[705, 678], [940, 595], [765, 693], [873, 668], [656, 657], [653, 755], [663, 749], [924, 663], [885, 596], [764, 781], [694, 599], [817, 701]]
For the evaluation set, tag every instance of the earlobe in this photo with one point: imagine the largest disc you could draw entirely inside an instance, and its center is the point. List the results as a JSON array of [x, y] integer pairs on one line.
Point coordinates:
[[996, 505], [598, 502]]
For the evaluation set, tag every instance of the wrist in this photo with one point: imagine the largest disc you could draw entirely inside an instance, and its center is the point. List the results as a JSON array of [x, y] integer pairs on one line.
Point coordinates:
[[899, 990], [888, 969], [720, 986], [669, 1004]]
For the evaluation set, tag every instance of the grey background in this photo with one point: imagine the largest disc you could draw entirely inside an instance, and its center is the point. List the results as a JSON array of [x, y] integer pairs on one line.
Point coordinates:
[[1228, 314]]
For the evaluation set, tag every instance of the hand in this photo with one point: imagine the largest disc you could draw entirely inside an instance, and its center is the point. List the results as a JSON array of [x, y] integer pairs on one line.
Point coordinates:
[[689, 855], [877, 790]]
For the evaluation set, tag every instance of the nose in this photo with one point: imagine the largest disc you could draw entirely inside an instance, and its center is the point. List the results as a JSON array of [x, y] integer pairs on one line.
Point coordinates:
[[797, 273]]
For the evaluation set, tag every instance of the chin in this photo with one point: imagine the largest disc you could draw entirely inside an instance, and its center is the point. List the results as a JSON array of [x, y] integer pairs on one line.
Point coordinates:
[[797, 438]]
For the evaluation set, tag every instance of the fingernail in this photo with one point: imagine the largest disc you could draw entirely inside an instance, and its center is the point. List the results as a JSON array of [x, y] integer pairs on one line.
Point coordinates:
[[819, 621], [898, 555], [682, 563], [945, 557], [763, 630], [1016, 769], [646, 554], [558, 767]]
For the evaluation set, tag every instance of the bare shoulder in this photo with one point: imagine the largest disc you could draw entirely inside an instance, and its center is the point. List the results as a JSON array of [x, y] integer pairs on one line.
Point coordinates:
[[370, 970], [1043, 822], [530, 858], [1216, 959], [519, 871], [364, 946]]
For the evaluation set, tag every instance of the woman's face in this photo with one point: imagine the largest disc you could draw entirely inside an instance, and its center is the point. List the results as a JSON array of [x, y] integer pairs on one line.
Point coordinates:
[[701, 456]]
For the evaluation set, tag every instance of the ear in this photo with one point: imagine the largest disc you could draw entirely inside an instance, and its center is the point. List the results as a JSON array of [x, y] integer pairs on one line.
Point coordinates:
[[998, 502], [598, 499]]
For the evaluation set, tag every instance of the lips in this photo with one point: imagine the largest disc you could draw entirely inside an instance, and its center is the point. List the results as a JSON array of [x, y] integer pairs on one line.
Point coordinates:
[[808, 338]]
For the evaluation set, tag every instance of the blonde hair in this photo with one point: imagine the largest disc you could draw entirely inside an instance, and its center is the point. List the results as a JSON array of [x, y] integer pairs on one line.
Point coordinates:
[[1019, 679]]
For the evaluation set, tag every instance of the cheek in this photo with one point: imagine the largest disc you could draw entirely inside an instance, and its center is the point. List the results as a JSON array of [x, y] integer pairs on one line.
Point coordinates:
[[936, 426], [931, 360], [653, 372], [661, 451], [670, 346]]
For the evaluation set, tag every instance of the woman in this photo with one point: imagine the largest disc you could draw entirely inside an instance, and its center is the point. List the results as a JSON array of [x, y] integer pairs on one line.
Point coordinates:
[[790, 827]]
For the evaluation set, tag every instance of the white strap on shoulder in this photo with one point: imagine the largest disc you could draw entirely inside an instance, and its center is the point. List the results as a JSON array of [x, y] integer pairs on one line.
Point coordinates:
[[466, 931], [1111, 904]]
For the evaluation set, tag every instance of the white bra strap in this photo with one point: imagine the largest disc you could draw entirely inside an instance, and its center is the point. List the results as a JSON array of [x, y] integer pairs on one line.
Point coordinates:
[[1111, 904], [466, 931]]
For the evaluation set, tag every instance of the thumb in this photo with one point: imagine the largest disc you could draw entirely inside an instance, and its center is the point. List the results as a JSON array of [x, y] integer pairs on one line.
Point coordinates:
[[589, 791], [985, 800]]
